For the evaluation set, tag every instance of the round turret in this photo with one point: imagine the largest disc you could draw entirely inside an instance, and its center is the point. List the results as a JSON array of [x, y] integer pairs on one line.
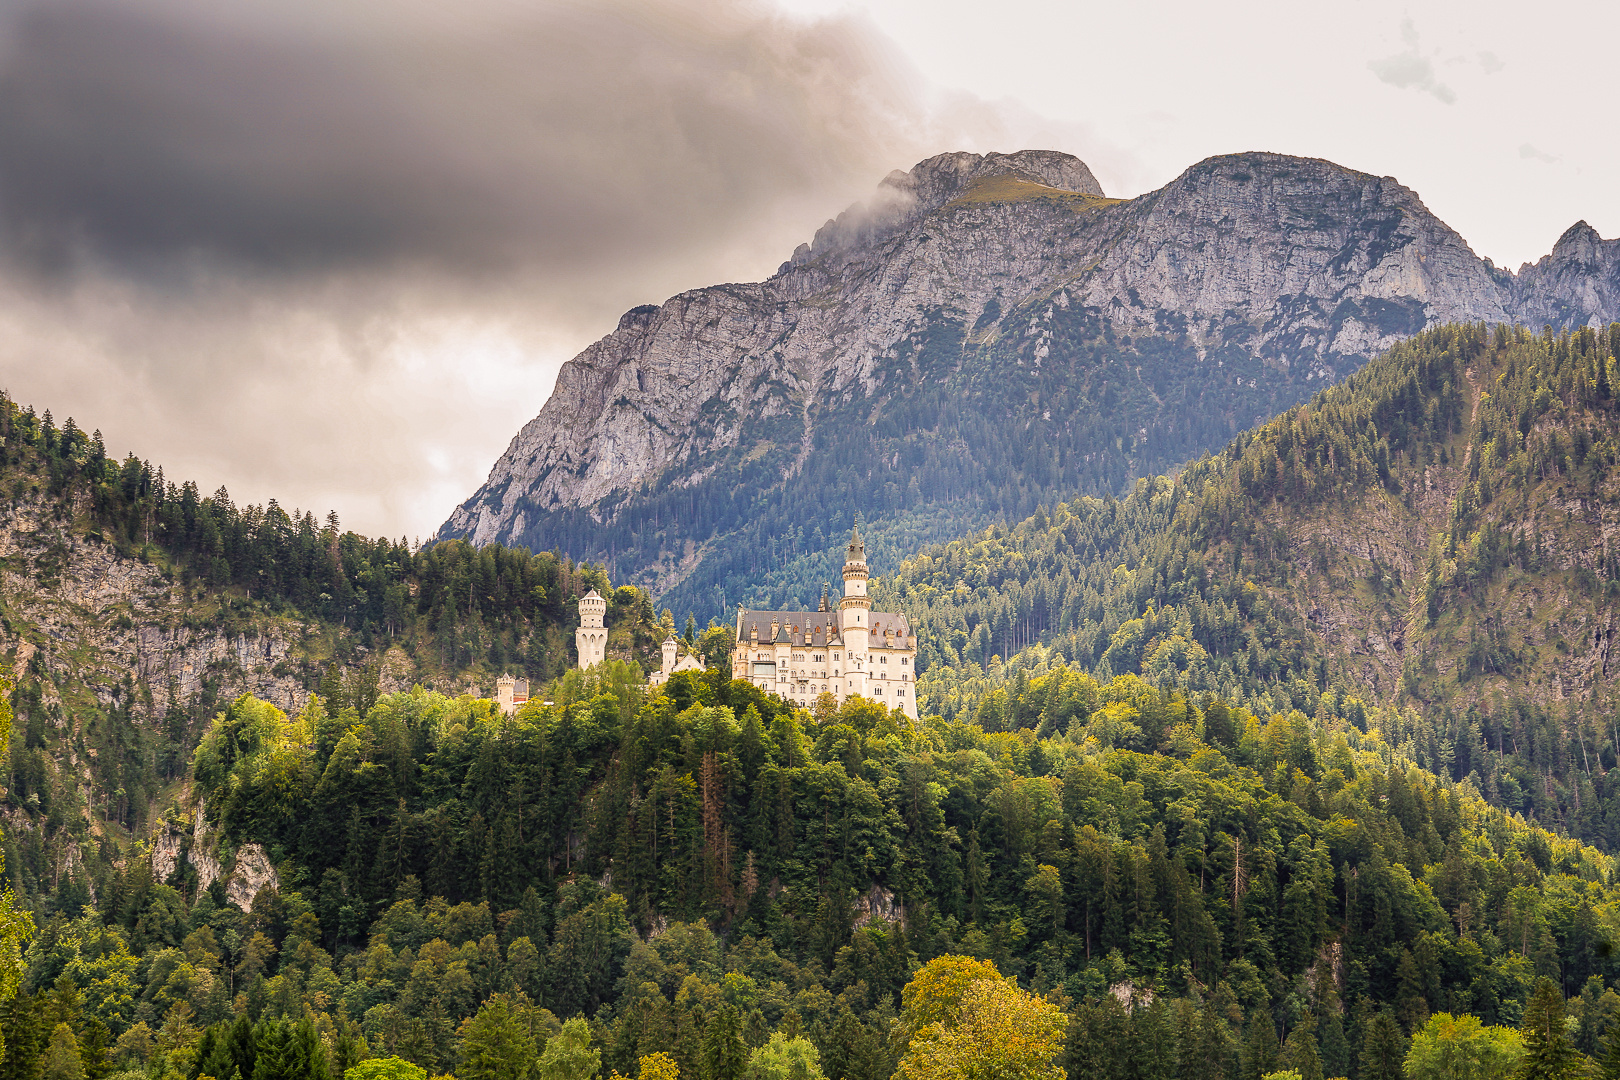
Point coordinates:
[[591, 638], [592, 609]]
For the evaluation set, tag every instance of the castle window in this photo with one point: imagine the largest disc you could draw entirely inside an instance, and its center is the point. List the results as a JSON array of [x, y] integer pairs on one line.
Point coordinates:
[[883, 659], [901, 691], [905, 660]]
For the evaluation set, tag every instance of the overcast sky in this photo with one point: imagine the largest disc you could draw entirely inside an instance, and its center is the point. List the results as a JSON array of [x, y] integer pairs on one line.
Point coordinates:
[[334, 252]]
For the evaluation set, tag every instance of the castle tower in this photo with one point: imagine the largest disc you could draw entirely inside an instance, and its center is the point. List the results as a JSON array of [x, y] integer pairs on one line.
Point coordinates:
[[854, 610], [669, 654], [591, 637], [504, 693]]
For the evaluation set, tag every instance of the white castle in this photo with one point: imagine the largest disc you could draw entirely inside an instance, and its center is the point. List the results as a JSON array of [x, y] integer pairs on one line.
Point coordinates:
[[511, 693], [798, 654], [854, 650]]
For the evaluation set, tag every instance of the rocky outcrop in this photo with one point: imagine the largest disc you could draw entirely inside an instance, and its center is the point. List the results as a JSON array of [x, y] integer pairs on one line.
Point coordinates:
[[251, 874], [1277, 273], [1577, 284], [114, 626], [250, 867]]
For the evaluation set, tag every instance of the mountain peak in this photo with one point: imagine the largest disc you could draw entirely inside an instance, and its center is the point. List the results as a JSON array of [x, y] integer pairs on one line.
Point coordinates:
[[941, 178], [904, 197], [1579, 241]]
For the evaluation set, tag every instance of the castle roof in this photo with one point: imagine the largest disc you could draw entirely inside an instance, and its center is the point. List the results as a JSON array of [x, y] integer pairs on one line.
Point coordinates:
[[816, 627]]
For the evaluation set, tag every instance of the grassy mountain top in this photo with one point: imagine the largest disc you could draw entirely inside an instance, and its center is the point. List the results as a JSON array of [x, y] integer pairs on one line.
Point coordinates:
[[1008, 188]]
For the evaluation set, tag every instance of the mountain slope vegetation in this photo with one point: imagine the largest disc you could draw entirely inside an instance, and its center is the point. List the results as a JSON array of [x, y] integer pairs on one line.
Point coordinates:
[[1437, 535], [134, 608], [1239, 894]]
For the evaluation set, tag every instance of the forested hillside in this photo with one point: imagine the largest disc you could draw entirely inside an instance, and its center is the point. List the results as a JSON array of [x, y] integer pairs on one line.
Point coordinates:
[[133, 608], [1437, 534], [1273, 766], [709, 875]]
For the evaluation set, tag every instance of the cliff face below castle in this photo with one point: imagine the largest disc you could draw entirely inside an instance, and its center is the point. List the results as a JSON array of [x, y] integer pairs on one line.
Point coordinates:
[[988, 334]]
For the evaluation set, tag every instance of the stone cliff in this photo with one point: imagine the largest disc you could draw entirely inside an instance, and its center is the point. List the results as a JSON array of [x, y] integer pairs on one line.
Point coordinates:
[[1139, 333]]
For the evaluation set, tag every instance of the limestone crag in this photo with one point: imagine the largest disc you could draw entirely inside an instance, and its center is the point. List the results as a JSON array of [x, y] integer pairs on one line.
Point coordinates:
[[1299, 266], [105, 623], [250, 867], [1577, 284]]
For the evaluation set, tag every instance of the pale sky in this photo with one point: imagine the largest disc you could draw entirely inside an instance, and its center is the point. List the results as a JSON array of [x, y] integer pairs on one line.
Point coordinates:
[[318, 254], [1501, 116]]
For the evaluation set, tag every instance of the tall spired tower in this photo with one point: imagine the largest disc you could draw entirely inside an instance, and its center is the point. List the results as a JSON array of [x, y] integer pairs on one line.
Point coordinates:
[[856, 609], [846, 653]]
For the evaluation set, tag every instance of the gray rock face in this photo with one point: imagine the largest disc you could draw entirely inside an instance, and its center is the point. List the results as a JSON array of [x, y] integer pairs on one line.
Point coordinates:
[[1295, 270], [1577, 284]]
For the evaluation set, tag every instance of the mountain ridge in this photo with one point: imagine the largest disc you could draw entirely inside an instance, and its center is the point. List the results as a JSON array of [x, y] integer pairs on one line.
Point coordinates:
[[1286, 272]]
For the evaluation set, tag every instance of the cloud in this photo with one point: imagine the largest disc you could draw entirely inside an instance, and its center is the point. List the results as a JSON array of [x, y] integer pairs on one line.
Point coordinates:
[[311, 135], [333, 253], [1531, 153], [1410, 69], [1490, 63]]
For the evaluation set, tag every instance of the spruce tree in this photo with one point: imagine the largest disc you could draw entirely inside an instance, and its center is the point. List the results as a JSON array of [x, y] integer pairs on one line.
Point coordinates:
[[725, 1054], [1300, 1052], [1610, 1068], [1383, 1050], [1260, 1047], [1548, 1052]]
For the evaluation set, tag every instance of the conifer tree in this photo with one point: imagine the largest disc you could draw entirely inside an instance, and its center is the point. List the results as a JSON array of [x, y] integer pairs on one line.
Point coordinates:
[[1548, 1052], [1383, 1049], [725, 1054]]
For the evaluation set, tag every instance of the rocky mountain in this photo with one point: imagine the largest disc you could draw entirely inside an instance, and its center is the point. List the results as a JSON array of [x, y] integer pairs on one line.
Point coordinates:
[[990, 333]]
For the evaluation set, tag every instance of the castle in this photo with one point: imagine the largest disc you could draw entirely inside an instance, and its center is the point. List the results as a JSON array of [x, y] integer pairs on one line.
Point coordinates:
[[511, 693], [672, 665], [798, 654], [854, 650]]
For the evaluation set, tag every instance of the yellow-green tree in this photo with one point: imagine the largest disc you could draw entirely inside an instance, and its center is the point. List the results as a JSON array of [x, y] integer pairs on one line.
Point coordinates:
[[1000, 1033], [657, 1066], [783, 1058], [934, 994], [388, 1068], [1461, 1048]]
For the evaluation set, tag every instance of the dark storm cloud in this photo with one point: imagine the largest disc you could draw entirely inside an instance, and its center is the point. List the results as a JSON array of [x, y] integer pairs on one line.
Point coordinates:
[[481, 135], [334, 251]]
